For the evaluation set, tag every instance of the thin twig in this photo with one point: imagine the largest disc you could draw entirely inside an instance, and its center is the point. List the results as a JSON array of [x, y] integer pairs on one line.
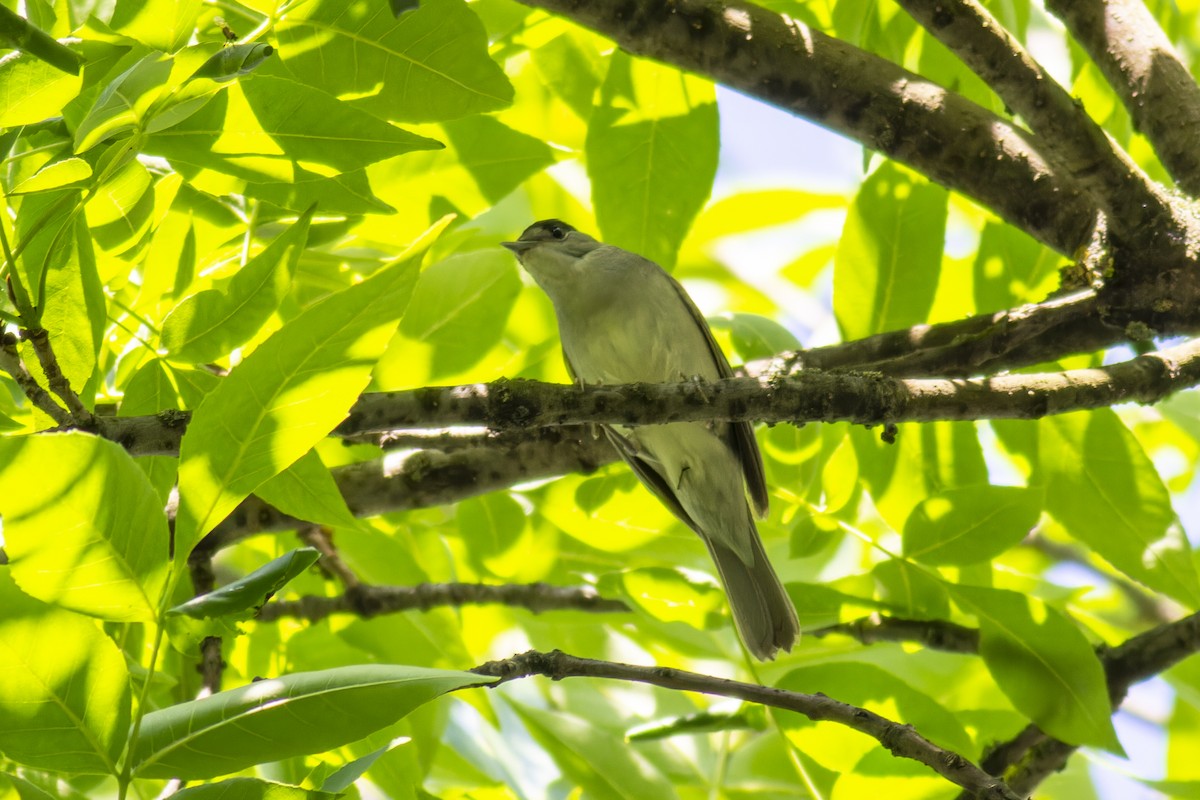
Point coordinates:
[[934, 634], [10, 362], [900, 740], [40, 339]]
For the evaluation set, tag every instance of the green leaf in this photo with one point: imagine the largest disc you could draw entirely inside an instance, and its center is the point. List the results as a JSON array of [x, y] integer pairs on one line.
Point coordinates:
[[284, 398], [890, 254], [872, 687], [64, 689], [1103, 488], [747, 717], [277, 718], [74, 308], [251, 789], [208, 325], [120, 213], [651, 155], [121, 106], [268, 128], [306, 490], [498, 157], [490, 524], [461, 307], [234, 61], [745, 212], [160, 24], [32, 90], [755, 336], [970, 524], [54, 175], [1043, 663], [1012, 268], [83, 527], [572, 68], [593, 757], [249, 593], [428, 65]]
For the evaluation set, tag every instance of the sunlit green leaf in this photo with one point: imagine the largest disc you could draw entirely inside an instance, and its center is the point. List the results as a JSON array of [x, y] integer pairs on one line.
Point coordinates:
[[430, 64], [32, 90], [970, 523], [651, 156], [250, 789], [1105, 491], [64, 689], [284, 397], [890, 254], [306, 490], [208, 325], [461, 305], [108, 554]]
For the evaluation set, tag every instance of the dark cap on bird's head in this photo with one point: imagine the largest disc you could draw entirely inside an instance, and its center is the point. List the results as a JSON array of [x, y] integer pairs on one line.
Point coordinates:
[[547, 230]]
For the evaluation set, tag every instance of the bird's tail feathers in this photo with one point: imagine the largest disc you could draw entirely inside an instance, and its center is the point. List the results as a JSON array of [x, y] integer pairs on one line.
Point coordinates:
[[762, 611]]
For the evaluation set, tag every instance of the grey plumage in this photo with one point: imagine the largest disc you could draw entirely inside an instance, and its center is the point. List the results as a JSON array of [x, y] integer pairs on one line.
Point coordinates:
[[623, 319]]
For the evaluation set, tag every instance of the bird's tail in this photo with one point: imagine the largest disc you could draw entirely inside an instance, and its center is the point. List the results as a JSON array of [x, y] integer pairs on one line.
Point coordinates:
[[762, 611]]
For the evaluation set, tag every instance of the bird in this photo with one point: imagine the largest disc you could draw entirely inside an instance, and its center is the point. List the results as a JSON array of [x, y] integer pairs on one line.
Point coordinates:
[[623, 319]]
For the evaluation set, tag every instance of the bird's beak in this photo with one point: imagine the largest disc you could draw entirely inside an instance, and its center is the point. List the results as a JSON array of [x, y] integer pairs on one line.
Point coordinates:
[[518, 247]]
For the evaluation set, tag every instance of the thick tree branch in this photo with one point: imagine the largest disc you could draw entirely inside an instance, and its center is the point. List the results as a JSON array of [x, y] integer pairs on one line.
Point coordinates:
[[1017, 337], [430, 478], [808, 396], [1066, 134], [1137, 59], [900, 740], [370, 601], [785, 63]]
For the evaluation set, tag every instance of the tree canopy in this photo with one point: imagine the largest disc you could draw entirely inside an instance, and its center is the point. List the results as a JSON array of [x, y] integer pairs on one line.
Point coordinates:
[[288, 450]]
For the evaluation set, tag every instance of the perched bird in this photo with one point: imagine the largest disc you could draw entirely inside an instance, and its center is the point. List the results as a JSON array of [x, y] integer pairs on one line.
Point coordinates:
[[623, 319]]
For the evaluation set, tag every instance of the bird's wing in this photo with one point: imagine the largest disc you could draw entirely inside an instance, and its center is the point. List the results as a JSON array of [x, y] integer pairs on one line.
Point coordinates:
[[650, 477], [741, 433]]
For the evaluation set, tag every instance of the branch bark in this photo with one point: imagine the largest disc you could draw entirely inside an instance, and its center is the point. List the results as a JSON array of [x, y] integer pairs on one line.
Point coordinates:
[[870, 100], [902, 741], [1137, 59], [1066, 134]]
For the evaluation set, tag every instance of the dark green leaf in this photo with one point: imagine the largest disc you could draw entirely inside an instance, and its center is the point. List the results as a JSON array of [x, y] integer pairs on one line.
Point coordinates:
[[498, 157], [277, 718], [1043, 663], [249, 593]]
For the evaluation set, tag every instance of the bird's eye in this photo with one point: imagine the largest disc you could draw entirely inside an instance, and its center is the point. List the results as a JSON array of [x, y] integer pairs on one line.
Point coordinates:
[[558, 233]]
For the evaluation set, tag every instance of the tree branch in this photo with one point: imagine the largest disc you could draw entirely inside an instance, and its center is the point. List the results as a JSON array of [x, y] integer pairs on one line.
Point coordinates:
[[370, 601], [808, 396], [1137, 59], [430, 478], [10, 362], [900, 740], [1066, 134], [870, 100], [934, 634]]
